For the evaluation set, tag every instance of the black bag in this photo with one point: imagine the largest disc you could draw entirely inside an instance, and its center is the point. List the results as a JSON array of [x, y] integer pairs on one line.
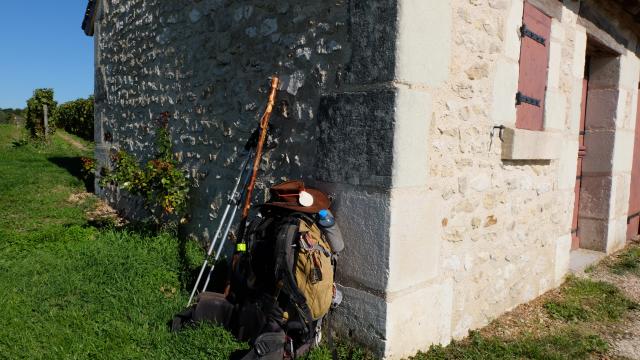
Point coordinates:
[[268, 346], [210, 307]]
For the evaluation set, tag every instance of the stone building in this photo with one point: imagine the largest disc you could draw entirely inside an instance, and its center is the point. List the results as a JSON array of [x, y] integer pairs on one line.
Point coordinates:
[[474, 146]]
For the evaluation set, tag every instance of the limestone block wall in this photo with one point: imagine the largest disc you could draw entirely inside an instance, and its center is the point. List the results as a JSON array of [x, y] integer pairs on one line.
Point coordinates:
[[504, 231], [489, 237], [607, 172]]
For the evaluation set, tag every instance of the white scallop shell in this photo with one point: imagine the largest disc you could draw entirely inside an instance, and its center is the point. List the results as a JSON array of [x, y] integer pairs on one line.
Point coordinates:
[[305, 199]]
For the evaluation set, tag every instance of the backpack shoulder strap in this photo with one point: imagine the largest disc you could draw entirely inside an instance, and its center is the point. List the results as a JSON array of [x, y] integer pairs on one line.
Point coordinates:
[[285, 255]]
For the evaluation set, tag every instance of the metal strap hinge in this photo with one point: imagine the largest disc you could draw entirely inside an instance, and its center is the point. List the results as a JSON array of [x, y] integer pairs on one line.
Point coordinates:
[[632, 216], [522, 98], [525, 31]]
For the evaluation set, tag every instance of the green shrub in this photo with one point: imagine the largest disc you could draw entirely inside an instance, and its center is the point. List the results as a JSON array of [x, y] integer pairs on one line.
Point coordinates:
[[76, 117], [35, 112], [161, 182]]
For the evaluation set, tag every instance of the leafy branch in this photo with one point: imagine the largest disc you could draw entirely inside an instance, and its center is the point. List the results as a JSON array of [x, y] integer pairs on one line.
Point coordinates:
[[161, 182]]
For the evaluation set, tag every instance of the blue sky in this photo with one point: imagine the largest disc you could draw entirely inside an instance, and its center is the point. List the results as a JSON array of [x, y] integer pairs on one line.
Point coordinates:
[[42, 45]]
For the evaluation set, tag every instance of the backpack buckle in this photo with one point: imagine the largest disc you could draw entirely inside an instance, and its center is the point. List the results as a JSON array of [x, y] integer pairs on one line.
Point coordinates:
[[262, 348]]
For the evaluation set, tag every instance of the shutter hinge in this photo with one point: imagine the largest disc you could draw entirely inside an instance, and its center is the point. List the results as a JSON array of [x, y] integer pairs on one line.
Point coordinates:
[[522, 98], [525, 31], [632, 216]]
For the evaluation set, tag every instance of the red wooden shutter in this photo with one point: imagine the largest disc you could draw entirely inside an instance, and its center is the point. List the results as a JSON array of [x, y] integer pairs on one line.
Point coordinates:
[[534, 65]]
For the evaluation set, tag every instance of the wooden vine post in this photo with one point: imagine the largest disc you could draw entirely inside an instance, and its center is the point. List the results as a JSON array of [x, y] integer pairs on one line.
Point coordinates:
[[45, 108]]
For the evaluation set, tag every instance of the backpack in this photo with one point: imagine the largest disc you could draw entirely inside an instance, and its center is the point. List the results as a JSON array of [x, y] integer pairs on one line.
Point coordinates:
[[284, 281]]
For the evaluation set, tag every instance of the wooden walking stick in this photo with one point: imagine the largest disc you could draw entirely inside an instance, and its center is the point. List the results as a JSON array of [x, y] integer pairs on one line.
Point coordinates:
[[241, 246], [264, 126]]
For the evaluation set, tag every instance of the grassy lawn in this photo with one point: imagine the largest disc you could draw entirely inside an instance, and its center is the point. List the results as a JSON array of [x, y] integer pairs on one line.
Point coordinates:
[[73, 291], [34, 184]]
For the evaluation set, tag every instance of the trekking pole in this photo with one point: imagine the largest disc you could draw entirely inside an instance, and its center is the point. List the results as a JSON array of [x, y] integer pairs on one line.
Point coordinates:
[[264, 126], [224, 236], [236, 197], [234, 200]]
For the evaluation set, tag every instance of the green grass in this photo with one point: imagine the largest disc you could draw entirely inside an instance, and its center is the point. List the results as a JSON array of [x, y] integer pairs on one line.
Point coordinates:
[[73, 291], [590, 269], [97, 294], [346, 351], [588, 300], [35, 181], [628, 262], [566, 344]]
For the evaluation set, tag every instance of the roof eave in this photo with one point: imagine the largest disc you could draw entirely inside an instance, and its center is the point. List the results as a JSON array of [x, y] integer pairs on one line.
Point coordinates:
[[89, 18], [632, 7]]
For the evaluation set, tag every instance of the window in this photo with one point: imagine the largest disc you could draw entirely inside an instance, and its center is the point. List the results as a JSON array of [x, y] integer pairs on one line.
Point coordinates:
[[534, 65]]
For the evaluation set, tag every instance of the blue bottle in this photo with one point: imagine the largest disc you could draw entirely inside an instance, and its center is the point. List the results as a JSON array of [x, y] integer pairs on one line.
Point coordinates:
[[326, 219], [331, 230]]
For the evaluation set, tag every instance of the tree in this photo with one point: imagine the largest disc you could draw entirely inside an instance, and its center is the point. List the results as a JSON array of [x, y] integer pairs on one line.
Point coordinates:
[[35, 112], [9, 116]]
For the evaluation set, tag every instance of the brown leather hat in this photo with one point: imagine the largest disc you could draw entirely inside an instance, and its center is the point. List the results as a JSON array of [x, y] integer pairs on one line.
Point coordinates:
[[293, 195]]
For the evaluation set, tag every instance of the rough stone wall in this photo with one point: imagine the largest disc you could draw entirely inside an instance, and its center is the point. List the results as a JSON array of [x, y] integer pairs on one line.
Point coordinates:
[[504, 236], [207, 63]]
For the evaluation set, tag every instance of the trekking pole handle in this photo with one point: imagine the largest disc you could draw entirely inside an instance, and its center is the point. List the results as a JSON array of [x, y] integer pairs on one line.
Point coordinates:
[[264, 125]]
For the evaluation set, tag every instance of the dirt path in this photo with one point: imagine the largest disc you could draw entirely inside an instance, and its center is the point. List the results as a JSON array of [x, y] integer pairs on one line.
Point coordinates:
[[71, 141], [625, 337]]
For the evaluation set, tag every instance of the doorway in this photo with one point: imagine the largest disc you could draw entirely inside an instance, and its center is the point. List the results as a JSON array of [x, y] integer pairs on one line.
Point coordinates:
[[593, 221], [582, 152], [633, 219]]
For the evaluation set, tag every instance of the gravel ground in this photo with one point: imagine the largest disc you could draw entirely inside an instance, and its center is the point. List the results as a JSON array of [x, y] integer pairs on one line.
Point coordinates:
[[624, 339], [627, 343]]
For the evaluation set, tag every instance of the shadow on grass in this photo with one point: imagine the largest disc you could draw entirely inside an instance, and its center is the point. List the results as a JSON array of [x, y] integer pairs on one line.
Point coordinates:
[[73, 164], [191, 265], [19, 143], [189, 252]]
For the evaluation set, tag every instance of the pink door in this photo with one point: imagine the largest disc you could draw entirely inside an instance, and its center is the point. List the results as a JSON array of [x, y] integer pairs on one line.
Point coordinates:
[[633, 219], [582, 151]]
